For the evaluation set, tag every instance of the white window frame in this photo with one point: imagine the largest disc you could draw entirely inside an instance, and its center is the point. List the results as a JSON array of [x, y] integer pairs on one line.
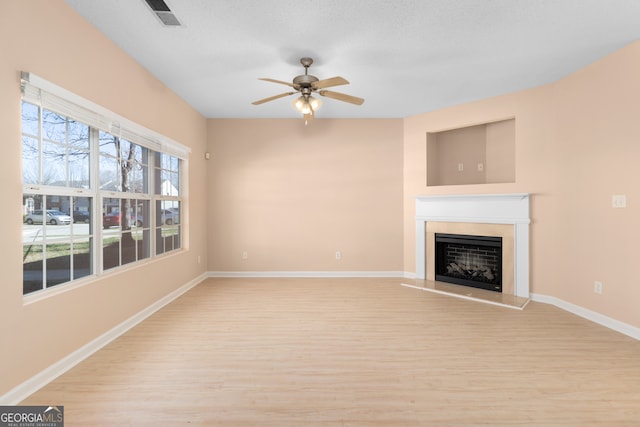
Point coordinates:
[[46, 95]]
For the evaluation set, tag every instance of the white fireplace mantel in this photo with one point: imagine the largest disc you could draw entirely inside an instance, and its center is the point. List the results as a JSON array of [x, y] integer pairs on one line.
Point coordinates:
[[483, 209]]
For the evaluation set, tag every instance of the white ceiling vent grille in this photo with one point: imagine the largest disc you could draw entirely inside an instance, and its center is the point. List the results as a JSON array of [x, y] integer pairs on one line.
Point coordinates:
[[162, 11]]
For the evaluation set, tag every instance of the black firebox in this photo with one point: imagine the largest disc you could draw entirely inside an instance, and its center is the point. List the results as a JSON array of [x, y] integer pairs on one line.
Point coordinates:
[[474, 261]]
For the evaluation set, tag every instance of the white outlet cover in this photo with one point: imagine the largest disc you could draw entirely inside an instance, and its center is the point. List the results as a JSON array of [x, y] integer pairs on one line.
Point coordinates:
[[619, 201], [597, 288]]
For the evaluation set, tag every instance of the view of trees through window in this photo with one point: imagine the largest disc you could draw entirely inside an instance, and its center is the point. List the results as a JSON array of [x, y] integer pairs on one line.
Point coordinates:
[[89, 201]]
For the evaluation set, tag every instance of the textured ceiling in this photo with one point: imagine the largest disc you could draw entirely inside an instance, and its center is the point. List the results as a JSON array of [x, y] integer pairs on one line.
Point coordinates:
[[404, 57]]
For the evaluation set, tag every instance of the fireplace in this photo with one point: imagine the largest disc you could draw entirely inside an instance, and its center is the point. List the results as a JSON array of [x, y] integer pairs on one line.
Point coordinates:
[[502, 215], [469, 260]]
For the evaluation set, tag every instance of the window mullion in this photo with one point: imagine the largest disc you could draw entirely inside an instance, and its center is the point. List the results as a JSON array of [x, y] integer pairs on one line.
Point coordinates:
[[40, 147], [96, 207], [67, 152]]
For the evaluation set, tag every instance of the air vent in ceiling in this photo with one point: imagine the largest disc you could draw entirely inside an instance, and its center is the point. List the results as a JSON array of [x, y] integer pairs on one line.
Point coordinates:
[[163, 12]]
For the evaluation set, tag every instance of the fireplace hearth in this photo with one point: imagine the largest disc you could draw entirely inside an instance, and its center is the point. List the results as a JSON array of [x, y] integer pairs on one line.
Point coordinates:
[[469, 260]]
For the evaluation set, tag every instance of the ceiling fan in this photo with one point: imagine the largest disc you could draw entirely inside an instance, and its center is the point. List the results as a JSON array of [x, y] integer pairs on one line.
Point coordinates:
[[306, 85]]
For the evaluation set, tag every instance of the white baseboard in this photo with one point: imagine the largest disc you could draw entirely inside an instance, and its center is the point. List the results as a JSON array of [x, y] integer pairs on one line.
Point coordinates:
[[601, 319], [24, 390], [306, 274]]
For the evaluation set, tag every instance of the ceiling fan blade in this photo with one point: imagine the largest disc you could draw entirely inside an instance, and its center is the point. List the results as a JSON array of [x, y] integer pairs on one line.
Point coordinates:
[[333, 81], [277, 81], [271, 98], [342, 97]]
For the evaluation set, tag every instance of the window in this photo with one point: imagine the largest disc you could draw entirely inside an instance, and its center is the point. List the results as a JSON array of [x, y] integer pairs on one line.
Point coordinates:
[[124, 166], [57, 142], [55, 249], [55, 163], [125, 234], [90, 203], [168, 224]]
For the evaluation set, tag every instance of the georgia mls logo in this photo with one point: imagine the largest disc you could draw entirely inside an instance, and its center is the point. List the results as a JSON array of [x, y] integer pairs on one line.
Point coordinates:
[[31, 416]]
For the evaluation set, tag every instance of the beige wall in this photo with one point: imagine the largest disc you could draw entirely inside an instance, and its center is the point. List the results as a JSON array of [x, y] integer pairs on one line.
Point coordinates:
[[598, 147], [501, 151], [49, 39], [292, 195], [577, 144]]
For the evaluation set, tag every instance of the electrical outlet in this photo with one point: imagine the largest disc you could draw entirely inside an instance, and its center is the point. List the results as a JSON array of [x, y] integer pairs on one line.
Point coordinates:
[[619, 201], [480, 167], [245, 255], [460, 167], [597, 287], [338, 255]]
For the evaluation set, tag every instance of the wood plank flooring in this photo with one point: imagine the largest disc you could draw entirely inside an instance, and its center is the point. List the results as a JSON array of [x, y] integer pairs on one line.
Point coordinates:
[[352, 352]]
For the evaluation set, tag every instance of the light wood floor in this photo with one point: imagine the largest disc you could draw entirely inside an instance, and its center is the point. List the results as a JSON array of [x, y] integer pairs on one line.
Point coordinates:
[[352, 352]]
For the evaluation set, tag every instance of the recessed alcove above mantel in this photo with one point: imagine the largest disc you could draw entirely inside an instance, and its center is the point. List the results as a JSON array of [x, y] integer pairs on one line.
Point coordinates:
[[479, 154]]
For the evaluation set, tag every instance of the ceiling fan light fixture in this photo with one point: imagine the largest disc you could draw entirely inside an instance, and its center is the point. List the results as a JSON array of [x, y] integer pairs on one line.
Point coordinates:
[[307, 104], [299, 103], [315, 103]]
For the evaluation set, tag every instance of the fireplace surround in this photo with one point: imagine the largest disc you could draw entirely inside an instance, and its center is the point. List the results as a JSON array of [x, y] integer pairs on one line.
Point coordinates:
[[500, 215]]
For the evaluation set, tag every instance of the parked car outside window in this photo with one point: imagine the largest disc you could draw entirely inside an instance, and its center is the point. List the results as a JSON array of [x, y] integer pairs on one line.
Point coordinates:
[[81, 216], [53, 217], [112, 219], [170, 216]]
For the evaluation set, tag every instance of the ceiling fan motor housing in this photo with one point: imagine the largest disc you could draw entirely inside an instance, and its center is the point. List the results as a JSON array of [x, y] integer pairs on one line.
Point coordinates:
[[304, 81]]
